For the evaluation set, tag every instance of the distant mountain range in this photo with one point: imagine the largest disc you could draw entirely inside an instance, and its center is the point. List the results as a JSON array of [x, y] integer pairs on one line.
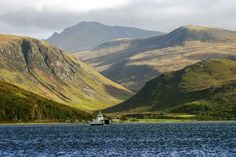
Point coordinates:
[[206, 89], [133, 62], [87, 35], [45, 70]]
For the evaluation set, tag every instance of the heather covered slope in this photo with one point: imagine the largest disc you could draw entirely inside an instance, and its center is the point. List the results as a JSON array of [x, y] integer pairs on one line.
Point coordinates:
[[87, 35], [207, 88], [18, 105], [126, 60], [50, 72]]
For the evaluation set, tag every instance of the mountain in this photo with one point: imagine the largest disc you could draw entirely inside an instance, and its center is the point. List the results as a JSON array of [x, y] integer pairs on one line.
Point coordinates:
[[45, 70], [87, 35], [20, 105], [133, 62], [207, 88]]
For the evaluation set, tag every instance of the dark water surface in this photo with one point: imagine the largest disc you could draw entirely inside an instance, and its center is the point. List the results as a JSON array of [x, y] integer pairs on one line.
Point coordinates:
[[160, 139]]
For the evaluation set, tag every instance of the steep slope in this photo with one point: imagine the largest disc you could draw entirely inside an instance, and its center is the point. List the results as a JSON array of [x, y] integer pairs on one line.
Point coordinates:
[[48, 71], [87, 35], [17, 104], [125, 61], [207, 87]]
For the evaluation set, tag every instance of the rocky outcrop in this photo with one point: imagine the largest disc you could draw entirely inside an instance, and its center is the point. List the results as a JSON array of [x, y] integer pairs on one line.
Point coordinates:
[[46, 70]]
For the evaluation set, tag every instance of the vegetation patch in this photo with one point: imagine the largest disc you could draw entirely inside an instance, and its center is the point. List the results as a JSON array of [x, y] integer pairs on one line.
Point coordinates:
[[18, 105], [206, 89]]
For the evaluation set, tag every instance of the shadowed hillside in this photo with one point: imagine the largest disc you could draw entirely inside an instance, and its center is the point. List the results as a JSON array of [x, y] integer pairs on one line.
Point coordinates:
[[207, 89]]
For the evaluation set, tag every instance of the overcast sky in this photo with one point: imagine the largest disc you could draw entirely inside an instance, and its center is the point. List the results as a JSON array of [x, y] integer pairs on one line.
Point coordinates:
[[40, 18]]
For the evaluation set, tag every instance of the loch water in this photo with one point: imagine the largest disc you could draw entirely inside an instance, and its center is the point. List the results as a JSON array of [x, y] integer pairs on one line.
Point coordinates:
[[147, 139]]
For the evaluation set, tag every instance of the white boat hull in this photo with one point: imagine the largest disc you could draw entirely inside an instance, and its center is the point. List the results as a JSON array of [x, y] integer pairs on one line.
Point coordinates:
[[97, 124]]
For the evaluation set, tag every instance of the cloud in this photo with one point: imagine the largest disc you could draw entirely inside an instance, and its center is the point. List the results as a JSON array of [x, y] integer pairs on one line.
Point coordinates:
[[42, 17], [60, 5]]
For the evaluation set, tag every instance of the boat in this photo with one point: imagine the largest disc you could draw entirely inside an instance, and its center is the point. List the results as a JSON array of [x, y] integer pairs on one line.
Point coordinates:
[[100, 120]]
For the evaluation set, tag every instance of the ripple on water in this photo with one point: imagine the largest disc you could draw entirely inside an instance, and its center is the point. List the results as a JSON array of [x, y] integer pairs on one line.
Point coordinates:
[[160, 139]]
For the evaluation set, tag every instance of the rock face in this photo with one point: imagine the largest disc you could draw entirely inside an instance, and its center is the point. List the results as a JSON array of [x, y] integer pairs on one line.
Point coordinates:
[[207, 88], [126, 61], [87, 35], [48, 71]]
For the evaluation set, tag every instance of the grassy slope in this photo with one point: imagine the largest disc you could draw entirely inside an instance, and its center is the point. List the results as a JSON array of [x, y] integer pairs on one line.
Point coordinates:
[[18, 105], [207, 89], [45, 70], [125, 61]]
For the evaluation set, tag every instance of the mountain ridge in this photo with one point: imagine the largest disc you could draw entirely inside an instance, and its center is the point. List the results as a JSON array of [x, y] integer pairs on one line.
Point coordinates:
[[87, 35], [199, 86], [39, 67], [181, 47]]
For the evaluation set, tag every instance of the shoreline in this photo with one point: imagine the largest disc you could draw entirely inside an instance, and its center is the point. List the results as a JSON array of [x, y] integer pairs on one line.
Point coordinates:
[[123, 122], [37, 123]]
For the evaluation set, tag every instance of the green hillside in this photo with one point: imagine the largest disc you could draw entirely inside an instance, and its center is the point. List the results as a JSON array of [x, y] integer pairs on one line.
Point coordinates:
[[47, 71], [18, 105], [206, 89], [125, 61]]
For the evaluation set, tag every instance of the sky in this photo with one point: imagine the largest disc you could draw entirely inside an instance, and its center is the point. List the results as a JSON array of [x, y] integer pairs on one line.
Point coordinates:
[[40, 18]]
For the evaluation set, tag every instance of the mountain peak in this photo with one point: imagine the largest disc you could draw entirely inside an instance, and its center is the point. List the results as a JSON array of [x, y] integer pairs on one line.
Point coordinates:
[[198, 33], [89, 23], [85, 25], [89, 34], [205, 29], [195, 27]]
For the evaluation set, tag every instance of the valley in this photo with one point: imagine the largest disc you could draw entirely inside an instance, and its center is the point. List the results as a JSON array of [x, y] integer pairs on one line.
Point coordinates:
[[124, 61]]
